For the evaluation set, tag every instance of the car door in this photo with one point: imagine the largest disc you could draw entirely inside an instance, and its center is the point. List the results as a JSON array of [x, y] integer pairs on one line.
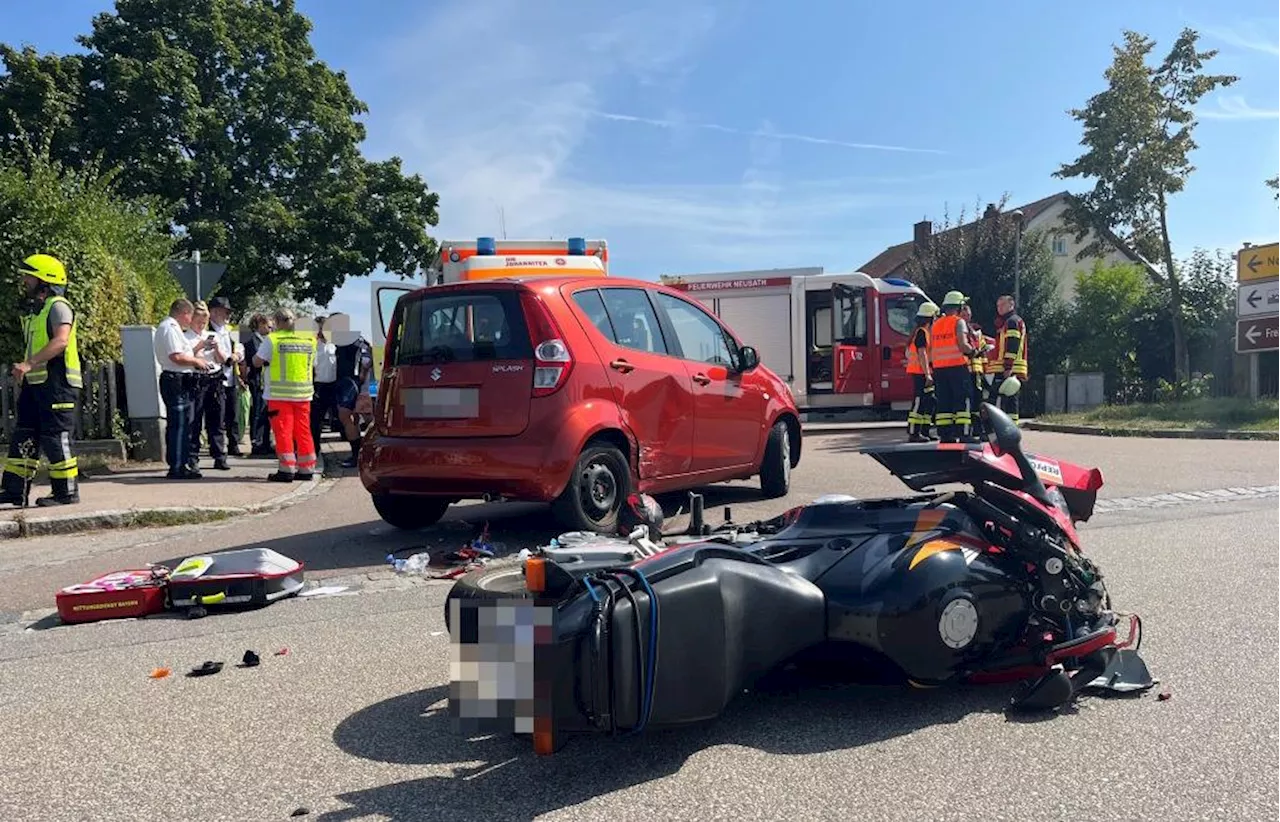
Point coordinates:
[[729, 406], [650, 388], [854, 366]]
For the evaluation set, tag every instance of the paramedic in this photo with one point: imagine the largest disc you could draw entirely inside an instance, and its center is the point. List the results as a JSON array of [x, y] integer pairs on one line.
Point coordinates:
[[920, 417], [1011, 355], [287, 359], [949, 355], [49, 383]]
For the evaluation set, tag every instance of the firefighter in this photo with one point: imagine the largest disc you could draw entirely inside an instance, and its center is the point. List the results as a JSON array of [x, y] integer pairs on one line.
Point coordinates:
[[49, 389], [1010, 356], [949, 354], [977, 368], [920, 417]]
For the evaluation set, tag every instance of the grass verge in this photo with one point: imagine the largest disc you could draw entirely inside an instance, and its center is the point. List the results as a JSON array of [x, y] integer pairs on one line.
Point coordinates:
[[1228, 413]]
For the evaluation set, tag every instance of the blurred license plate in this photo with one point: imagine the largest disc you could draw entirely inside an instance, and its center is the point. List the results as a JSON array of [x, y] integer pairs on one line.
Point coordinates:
[[441, 403], [493, 667]]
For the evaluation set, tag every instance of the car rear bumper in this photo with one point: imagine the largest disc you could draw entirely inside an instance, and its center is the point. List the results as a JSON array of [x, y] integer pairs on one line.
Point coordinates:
[[466, 468]]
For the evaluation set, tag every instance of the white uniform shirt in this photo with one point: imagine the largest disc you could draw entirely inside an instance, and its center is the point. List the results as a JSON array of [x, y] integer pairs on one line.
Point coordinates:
[[226, 347], [170, 339], [326, 367]]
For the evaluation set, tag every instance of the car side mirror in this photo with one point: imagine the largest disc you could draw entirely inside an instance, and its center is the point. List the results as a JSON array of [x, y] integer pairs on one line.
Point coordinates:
[[750, 357]]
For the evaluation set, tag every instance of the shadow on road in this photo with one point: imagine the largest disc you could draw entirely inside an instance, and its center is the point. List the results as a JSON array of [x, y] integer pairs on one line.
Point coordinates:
[[511, 782], [855, 440]]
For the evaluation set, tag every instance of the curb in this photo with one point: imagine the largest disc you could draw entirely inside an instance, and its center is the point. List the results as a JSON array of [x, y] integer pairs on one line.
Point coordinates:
[[1155, 433], [145, 517]]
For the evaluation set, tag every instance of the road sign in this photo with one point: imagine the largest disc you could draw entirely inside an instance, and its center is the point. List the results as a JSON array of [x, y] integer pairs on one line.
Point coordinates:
[[1259, 262], [1258, 299], [185, 272], [1257, 335]]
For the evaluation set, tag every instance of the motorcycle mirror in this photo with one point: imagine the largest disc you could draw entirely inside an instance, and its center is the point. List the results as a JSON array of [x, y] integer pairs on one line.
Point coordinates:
[[1005, 437]]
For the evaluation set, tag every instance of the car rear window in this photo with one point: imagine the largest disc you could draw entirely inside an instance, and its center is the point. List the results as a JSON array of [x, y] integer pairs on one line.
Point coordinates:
[[462, 327]]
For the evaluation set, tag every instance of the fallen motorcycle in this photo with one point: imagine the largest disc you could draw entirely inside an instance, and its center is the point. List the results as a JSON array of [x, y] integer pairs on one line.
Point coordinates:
[[983, 583]]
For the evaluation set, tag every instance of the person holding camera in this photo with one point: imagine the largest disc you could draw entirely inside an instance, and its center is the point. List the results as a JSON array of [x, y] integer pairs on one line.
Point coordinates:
[[210, 394]]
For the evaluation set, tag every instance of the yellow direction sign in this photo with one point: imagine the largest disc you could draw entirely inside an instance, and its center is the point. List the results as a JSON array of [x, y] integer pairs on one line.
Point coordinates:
[[1259, 262]]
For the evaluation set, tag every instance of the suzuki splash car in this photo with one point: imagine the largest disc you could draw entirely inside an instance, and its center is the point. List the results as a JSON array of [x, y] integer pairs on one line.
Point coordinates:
[[575, 391]]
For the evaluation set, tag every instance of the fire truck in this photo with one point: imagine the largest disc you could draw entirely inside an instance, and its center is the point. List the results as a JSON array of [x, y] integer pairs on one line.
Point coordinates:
[[487, 258], [839, 340]]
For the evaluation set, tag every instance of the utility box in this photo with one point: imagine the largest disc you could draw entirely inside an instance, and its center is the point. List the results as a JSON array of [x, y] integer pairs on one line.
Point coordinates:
[[1055, 393], [1085, 391], [142, 387]]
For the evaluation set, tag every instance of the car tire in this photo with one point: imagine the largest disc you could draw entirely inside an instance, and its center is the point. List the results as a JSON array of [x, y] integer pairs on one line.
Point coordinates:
[[487, 584], [597, 490], [775, 468], [409, 513]]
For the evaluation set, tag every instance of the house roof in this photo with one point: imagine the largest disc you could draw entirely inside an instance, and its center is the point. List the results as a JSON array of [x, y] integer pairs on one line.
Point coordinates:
[[892, 259]]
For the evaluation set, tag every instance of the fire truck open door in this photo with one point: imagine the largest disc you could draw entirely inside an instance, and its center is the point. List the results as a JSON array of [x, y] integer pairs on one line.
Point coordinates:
[[855, 368]]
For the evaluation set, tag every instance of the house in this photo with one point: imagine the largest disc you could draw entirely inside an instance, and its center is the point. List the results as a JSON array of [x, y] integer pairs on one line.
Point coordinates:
[[1047, 214]]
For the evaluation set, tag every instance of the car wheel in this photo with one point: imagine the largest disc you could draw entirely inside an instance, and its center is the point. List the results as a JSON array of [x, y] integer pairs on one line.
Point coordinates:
[[596, 492], [487, 584], [409, 512], [775, 468]]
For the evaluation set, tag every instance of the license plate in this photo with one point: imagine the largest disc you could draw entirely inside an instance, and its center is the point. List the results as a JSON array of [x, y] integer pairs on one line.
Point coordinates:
[[441, 403], [493, 673]]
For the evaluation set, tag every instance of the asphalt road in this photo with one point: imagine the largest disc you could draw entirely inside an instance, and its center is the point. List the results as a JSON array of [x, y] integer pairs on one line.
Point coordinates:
[[350, 722]]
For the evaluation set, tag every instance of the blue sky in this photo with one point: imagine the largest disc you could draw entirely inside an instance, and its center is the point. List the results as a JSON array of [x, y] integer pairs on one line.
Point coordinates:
[[711, 136]]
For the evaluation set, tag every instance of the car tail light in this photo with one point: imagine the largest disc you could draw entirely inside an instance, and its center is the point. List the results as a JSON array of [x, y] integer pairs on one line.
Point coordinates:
[[552, 360]]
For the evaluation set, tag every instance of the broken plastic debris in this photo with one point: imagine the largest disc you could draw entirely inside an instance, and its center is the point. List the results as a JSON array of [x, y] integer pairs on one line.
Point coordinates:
[[159, 673], [282, 652], [324, 591], [207, 669], [250, 659]]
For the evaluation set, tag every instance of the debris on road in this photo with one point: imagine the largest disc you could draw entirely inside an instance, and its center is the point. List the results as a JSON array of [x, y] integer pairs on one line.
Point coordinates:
[[159, 673], [250, 659], [207, 669]]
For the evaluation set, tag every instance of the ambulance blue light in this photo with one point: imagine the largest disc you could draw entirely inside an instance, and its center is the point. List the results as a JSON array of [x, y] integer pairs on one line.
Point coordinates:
[[577, 246], [486, 246], [901, 282]]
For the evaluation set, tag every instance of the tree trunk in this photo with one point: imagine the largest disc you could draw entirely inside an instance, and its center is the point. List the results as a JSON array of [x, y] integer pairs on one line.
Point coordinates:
[[1181, 356]]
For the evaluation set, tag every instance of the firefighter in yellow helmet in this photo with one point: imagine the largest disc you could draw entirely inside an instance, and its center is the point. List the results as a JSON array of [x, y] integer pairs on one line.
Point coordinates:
[[949, 354], [49, 388]]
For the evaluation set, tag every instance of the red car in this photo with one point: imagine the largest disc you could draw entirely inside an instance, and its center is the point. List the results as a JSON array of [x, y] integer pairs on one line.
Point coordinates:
[[570, 390]]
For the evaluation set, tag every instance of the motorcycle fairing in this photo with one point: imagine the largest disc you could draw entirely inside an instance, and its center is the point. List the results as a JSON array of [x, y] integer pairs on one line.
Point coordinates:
[[923, 466]]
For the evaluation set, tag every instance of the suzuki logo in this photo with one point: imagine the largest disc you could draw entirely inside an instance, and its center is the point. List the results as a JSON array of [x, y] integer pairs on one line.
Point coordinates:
[[436, 374]]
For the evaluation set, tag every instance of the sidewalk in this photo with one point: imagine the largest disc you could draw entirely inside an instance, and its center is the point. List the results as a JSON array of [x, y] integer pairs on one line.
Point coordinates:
[[139, 494]]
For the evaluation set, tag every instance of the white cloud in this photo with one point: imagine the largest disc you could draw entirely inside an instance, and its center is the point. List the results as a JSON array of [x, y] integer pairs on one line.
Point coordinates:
[[771, 134], [1235, 107], [1248, 36]]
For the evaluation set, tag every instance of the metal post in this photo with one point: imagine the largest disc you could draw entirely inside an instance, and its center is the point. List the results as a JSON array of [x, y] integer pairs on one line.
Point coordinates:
[[197, 274], [1255, 377], [1017, 262]]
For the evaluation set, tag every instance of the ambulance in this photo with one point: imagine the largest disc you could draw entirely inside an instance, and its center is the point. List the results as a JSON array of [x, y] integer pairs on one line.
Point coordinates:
[[487, 258], [839, 339]]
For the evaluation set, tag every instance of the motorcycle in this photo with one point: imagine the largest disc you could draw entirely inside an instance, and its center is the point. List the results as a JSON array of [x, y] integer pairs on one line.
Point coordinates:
[[983, 584]]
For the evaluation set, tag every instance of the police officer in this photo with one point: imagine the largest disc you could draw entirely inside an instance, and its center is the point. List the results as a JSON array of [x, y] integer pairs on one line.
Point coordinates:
[[920, 417], [1010, 356], [50, 383], [289, 360], [949, 355]]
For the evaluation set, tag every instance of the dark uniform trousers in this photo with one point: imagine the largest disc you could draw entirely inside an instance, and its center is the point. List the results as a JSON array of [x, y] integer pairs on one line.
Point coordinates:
[[178, 391], [209, 410], [954, 388], [45, 421], [1009, 405]]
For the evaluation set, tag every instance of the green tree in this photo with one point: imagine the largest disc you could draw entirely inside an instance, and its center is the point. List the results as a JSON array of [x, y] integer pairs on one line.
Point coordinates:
[[1274, 185], [221, 107], [1108, 301], [115, 248], [1138, 136]]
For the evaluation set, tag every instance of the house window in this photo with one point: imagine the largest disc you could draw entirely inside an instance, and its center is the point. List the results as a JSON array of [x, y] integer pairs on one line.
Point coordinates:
[[1059, 247]]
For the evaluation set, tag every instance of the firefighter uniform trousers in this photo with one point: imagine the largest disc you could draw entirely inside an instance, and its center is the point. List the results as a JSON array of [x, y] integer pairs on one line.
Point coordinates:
[[977, 386], [920, 417], [46, 416]]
